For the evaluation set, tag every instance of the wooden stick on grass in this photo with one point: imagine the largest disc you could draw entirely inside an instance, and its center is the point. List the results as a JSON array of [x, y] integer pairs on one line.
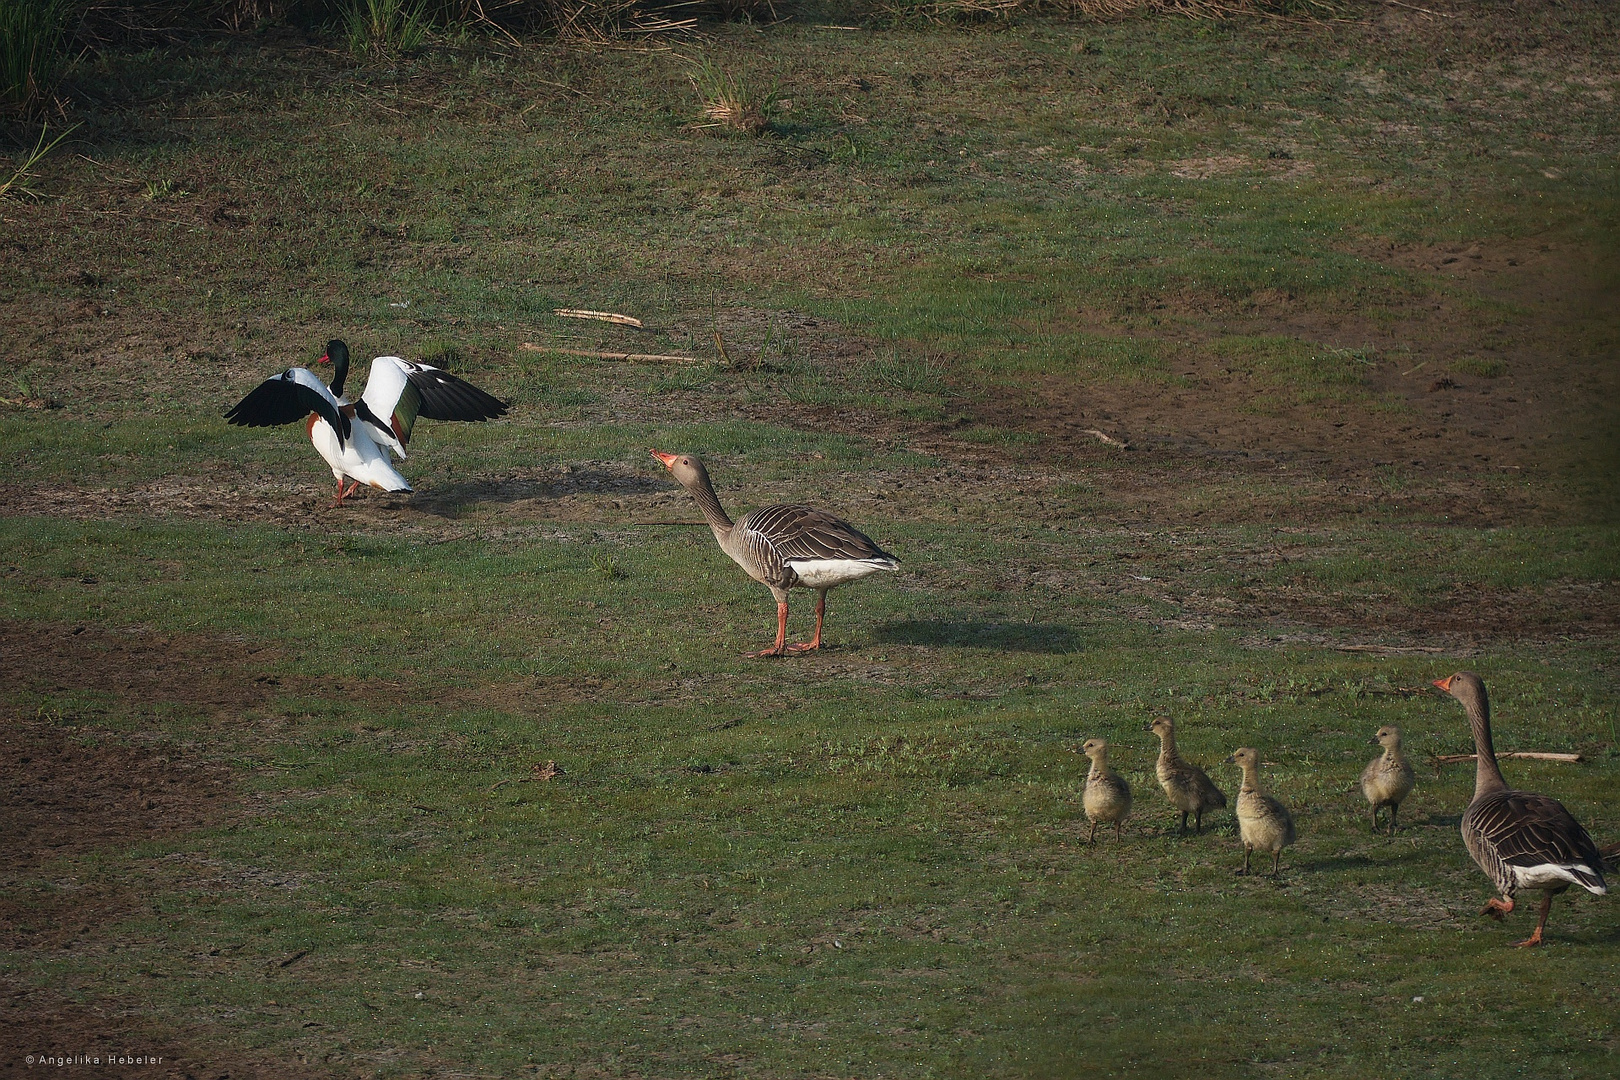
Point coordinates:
[[1533, 755], [635, 358], [600, 316], [1103, 436]]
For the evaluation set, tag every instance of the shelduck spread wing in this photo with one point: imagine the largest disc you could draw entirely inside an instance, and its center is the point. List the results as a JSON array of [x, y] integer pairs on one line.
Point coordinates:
[[1535, 840], [398, 391], [292, 395]]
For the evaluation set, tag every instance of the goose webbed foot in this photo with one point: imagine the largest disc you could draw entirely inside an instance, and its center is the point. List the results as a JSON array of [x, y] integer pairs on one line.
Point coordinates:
[[1496, 909], [778, 649], [1541, 924]]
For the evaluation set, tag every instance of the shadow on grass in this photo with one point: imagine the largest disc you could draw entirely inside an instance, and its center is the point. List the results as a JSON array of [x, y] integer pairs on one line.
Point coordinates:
[[976, 634], [451, 500]]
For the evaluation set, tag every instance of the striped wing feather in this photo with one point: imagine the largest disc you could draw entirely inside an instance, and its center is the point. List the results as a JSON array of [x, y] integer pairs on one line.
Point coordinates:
[[803, 532], [1522, 829]]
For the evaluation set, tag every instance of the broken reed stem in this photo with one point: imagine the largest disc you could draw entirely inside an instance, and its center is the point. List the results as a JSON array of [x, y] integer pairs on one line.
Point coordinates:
[[600, 316], [1533, 755], [635, 358]]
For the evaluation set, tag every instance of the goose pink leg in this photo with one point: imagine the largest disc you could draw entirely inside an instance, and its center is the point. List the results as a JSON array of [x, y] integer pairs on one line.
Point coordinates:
[[780, 648], [815, 642], [1541, 924]]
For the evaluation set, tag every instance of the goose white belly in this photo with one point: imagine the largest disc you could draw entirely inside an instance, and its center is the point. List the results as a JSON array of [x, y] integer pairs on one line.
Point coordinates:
[[1551, 876], [825, 573], [360, 459]]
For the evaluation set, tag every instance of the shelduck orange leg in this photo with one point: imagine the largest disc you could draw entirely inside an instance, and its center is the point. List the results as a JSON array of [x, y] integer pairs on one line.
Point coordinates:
[[341, 494], [1496, 909], [1541, 924], [821, 614], [779, 648]]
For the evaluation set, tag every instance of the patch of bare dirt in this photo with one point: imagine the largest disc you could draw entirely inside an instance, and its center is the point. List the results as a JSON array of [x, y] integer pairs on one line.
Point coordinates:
[[67, 789], [63, 792], [207, 672], [1466, 406]]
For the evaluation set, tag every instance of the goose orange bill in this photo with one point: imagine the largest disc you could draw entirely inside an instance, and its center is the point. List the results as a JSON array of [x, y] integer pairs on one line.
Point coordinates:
[[667, 459], [1445, 683]]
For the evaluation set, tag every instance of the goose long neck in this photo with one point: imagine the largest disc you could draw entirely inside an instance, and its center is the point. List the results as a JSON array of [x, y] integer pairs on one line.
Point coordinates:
[[709, 503], [1487, 773]]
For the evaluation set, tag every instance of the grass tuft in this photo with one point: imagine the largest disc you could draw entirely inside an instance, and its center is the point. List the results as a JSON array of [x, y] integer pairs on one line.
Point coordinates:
[[386, 27], [729, 101], [16, 185]]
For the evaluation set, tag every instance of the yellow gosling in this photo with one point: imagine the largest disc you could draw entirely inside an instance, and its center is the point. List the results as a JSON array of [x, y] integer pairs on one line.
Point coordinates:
[[1186, 785], [1263, 822], [1388, 778], [1108, 796]]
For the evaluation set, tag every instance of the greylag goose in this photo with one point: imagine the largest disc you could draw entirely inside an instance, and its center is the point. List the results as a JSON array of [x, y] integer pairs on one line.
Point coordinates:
[[1388, 778], [1520, 840], [1108, 796], [356, 437], [1263, 822], [784, 547], [1190, 790]]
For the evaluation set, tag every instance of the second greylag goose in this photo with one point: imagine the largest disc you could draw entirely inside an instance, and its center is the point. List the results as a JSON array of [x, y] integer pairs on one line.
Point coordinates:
[[1263, 822], [1108, 796], [1189, 788], [1388, 778], [784, 547], [1520, 840]]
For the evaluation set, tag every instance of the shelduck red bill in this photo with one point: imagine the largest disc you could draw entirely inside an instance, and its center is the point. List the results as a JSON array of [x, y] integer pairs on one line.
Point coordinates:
[[667, 459]]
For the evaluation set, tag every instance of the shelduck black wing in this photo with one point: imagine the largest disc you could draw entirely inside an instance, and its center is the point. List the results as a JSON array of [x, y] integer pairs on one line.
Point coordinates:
[[1528, 831], [289, 397], [446, 397], [803, 532]]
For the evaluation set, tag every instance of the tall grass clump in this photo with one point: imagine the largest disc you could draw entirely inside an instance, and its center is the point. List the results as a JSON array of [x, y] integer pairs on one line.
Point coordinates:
[[33, 39], [729, 100], [386, 27]]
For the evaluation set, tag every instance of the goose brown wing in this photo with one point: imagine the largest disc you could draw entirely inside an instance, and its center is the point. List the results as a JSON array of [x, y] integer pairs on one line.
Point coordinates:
[[803, 532], [1534, 830]]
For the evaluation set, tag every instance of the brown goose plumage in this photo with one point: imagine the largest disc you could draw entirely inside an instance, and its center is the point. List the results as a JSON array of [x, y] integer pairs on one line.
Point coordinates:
[[784, 547], [1188, 787], [1520, 840]]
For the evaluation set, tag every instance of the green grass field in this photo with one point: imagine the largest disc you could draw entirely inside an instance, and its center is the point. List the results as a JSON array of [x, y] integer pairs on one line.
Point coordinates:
[[1344, 288]]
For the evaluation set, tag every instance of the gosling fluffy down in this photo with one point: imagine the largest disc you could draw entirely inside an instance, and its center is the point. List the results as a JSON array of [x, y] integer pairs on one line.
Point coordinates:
[[1388, 778], [1108, 796], [1186, 785], [1263, 822]]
